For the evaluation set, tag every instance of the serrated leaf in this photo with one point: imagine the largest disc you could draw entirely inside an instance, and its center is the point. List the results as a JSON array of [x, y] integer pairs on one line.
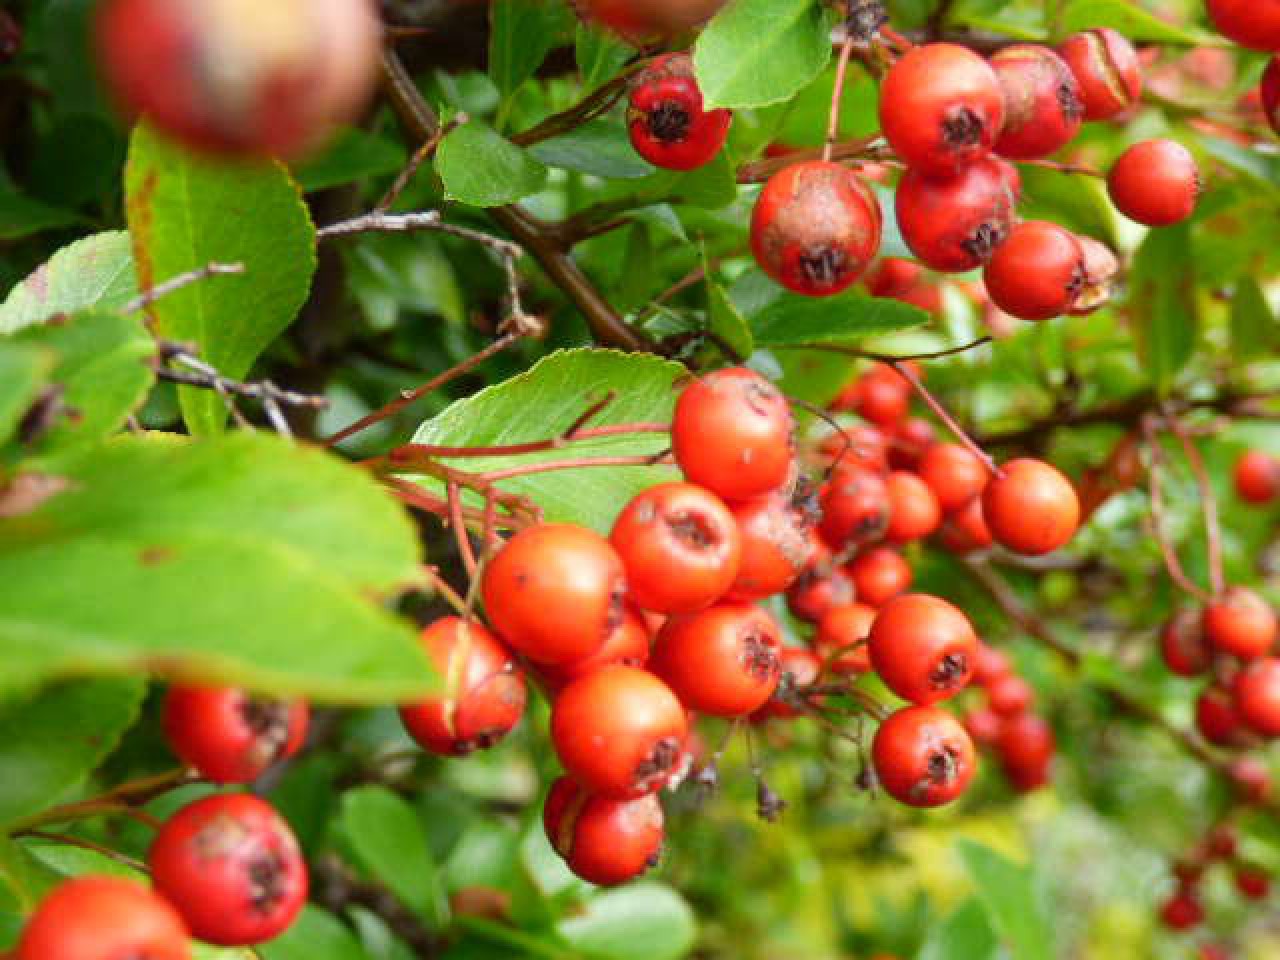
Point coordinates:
[[757, 52], [521, 34], [1253, 326], [793, 320], [243, 560], [1163, 296], [599, 147], [599, 55], [645, 921], [483, 169], [1008, 895], [187, 211], [96, 271], [23, 371], [1134, 22], [545, 401]]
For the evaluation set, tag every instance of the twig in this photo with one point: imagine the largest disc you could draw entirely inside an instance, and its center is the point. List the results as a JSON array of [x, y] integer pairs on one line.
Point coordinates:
[[550, 466], [459, 528], [1167, 550], [1208, 505], [885, 357], [837, 93], [414, 451], [941, 412], [1078, 168], [70, 841], [174, 284], [338, 888], [125, 798], [420, 156], [866, 148], [595, 104]]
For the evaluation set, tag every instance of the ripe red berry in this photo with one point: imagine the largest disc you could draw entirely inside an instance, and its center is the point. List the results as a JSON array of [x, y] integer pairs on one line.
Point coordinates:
[[680, 547], [222, 76], [1100, 269], [1025, 742], [1183, 645], [103, 918], [1155, 182], [1257, 477], [1252, 25], [893, 277], [966, 530], [815, 227], [606, 842], [1042, 103], [1257, 696], [231, 867], [1031, 508], [731, 433], [941, 108], [990, 664], [954, 224], [554, 591], [913, 509], [882, 396], [913, 437], [230, 735], [723, 661], [1037, 272], [1240, 623], [642, 21], [817, 590], [666, 119], [922, 756], [800, 669], [1182, 911], [840, 631], [1009, 695], [1217, 718], [855, 506], [1252, 882], [1223, 842], [627, 644], [776, 544], [954, 474], [923, 648], [1251, 778], [1269, 93], [982, 725], [858, 444], [879, 574], [635, 715], [1107, 70]]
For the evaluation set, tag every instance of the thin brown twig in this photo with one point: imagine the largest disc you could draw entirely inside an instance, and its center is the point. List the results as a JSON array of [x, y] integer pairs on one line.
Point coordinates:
[[550, 466], [459, 528], [600, 101], [1208, 504], [865, 148], [420, 156], [181, 281], [1172, 564], [942, 414], [837, 94]]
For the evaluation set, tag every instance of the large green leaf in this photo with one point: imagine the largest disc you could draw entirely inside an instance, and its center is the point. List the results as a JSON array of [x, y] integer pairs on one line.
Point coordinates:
[[96, 271], [1007, 892], [1165, 317], [600, 148], [315, 935], [545, 401], [1253, 326], [600, 55], [187, 211], [242, 560], [50, 743], [965, 935], [522, 33], [1134, 22], [483, 169], [757, 52], [793, 320], [646, 921], [23, 371]]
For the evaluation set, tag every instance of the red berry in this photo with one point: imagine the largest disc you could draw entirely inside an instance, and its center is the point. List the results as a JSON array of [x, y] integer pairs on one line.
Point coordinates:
[[1100, 269], [231, 867], [1217, 718], [892, 277], [990, 664], [554, 591], [858, 444], [879, 574], [1223, 842], [855, 506], [1240, 623], [1025, 742], [639, 21], [1106, 69], [1252, 882], [912, 438], [627, 644], [913, 509], [1252, 779], [103, 918], [1009, 695], [1182, 911], [230, 735], [665, 117], [723, 661], [1257, 696], [776, 544], [1037, 272], [732, 434], [483, 693], [1269, 93], [1183, 644], [839, 630], [800, 668], [1257, 477], [815, 227], [982, 725], [966, 530], [955, 223], [680, 547], [923, 648], [1031, 508], [922, 756], [941, 108], [882, 396], [606, 842], [954, 474], [1155, 182], [1042, 103], [817, 591], [1252, 25], [222, 76], [632, 713]]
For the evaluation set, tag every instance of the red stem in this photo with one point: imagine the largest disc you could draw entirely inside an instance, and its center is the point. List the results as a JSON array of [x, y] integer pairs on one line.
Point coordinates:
[[549, 466], [1208, 505], [411, 451], [1171, 562], [940, 411], [459, 528], [837, 93]]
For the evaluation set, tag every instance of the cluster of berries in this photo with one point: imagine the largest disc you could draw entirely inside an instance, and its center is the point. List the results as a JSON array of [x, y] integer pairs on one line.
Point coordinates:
[[1183, 910]]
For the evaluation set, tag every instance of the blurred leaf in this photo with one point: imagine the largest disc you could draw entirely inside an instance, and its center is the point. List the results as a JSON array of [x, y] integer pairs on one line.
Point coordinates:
[[1164, 304], [726, 322], [522, 33], [793, 320], [21, 216], [315, 935], [599, 54], [1253, 326], [354, 155], [96, 271], [1133, 21], [1008, 894], [483, 169], [23, 371], [644, 921], [600, 147], [1078, 203], [965, 935]]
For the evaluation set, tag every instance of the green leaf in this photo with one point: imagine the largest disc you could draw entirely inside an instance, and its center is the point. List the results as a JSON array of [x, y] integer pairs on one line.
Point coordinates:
[[387, 837], [793, 320], [545, 401], [725, 320], [187, 211], [757, 52], [354, 155], [521, 34], [1134, 22], [96, 271], [965, 935], [1078, 203], [23, 371], [599, 54], [645, 921], [315, 935], [483, 169], [1253, 326], [1008, 894], [711, 186], [600, 148], [21, 216], [243, 560], [1164, 304], [49, 744]]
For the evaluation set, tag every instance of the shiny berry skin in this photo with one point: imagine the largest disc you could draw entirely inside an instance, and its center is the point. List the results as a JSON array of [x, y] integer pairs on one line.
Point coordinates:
[[1250, 24], [1155, 182], [800, 668], [818, 590], [990, 664], [923, 648], [619, 731], [855, 506], [1042, 104], [639, 21], [724, 661], [913, 437], [954, 224], [881, 396], [627, 644], [776, 545], [1269, 93], [231, 867], [1240, 623], [941, 108], [1031, 508], [605, 842], [923, 757], [680, 547], [954, 474], [1183, 645], [230, 735], [982, 725], [483, 693], [227, 77], [554, 591], [879, 574], [913, 509], [839, 630], [1106, 69], [1037, 272], [1217, 718], [103, 918], [1182, 911], [1009, 695], [1251, 779], [1257, 477], [858, 444], [731, 433], [1256, 689], [815, 227], [966, 530], [1252, 882], [666, 120]]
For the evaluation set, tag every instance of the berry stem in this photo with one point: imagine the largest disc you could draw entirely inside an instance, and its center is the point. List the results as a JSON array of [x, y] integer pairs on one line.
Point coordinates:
[[941, 413], [411, 452], [1077, 168], [837, 93], [450, 595], [1208, 504], [459, 527], [574, 463], [1171, 562], [864, 148], [67, 840], [125, 800]]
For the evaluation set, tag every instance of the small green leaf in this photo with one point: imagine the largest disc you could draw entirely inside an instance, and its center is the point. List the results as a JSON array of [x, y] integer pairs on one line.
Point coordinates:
[[600, 148], [354, 155], [645, 921], [1163, 296], [521, 34], [793, 320], [965, 935], [1008, 894], [725, 320], [315, 935], [23, 371], [1253, 326], [96, 271], [483, 169], [1134, 22], [599, 54], [21, 215]]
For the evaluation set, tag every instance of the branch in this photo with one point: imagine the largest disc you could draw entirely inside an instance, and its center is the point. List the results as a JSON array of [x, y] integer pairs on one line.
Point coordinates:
[[174, 284], [337, 887]]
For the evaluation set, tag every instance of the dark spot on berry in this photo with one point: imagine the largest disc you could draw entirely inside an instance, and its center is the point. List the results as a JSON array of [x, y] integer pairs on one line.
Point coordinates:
[[266, 871], [1069, 102], [943, 766], [269, 720], [759, 657], [661, 760], [692, 529], [949, 671], [823, 266], [961, 127], [982, 243], [669, 122]]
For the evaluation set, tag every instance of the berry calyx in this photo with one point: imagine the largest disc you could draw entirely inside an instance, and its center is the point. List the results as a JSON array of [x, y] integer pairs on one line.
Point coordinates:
[[954, 224], [1030, 507], [923, 648], [724, 661], [800, 668], [1037, 272], [603, 841], [1106, 69], [923, 757], [230, 735], [1043, 109], [1241, 623], [103, 918], [1155, 182], [665, 116]]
